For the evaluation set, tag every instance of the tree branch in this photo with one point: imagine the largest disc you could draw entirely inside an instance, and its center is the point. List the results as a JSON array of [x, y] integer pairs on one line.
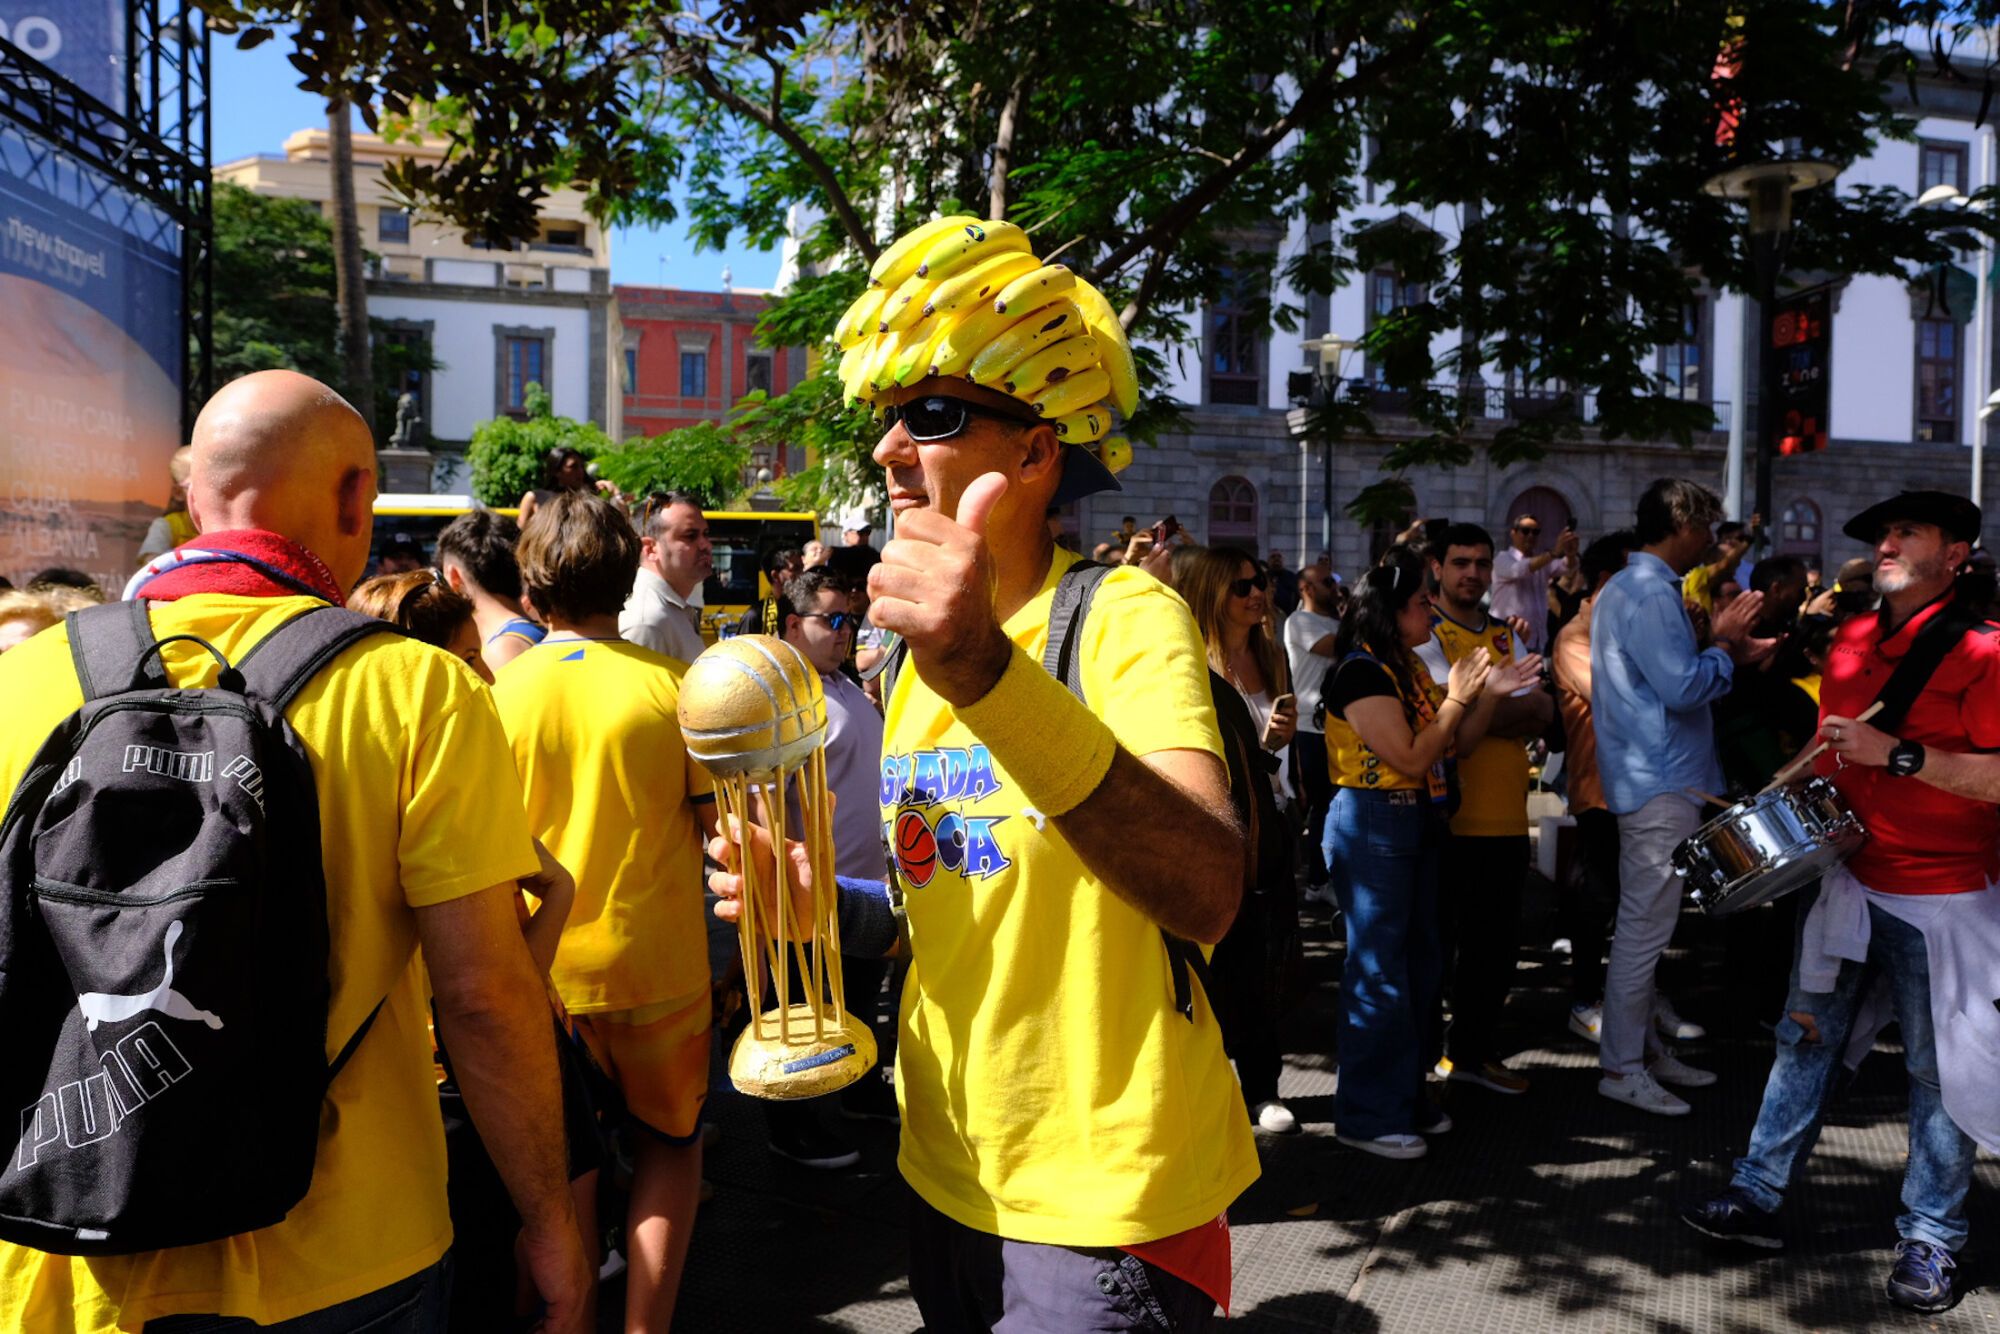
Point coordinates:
[[1149, 281], [1313, 98], [1003, 150], [811, 158]]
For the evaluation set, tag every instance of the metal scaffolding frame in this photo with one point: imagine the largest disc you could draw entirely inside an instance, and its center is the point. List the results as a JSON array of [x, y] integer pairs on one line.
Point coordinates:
[[143, 170]]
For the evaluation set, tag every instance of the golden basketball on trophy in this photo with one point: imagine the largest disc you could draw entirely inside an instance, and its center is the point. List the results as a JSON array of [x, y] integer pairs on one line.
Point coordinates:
[[753, 714]]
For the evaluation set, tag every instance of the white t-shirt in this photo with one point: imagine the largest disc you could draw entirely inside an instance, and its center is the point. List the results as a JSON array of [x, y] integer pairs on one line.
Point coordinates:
[[1261, 705], [1303, 629]]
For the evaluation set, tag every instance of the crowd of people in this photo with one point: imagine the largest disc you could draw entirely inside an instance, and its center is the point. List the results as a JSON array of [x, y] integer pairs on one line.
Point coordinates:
[[517, 846]]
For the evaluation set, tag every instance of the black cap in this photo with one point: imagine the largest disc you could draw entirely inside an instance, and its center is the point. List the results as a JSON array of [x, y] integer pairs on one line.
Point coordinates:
[[1084, 474], [1955, 516]]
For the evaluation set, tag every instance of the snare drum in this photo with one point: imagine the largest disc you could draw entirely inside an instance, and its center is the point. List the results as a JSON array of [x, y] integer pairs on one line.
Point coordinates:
[[1768, 845]]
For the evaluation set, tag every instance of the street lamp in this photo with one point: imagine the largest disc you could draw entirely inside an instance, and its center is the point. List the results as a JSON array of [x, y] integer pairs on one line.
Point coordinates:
[[1332, 351], [1949, 196], [1767, 187]]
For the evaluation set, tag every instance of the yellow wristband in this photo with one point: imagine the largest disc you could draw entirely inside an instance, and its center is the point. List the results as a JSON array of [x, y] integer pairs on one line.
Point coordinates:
[[1047, 740]]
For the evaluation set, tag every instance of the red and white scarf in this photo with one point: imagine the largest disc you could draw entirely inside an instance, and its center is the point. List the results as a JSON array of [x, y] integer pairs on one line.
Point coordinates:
[[244, 562]]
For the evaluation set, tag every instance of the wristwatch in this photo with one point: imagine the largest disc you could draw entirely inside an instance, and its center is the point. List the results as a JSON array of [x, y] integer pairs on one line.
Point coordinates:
[[1905, 759]]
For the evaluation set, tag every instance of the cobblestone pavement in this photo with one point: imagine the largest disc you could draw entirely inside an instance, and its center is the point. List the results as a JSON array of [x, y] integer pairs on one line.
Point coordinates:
[[1549, 1210]]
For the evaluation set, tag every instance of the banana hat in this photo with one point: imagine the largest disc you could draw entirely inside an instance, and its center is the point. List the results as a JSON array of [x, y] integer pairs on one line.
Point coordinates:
[[967, 299]]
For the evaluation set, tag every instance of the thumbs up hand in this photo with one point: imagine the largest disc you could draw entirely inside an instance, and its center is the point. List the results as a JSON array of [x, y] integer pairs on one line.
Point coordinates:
[[934, 587]]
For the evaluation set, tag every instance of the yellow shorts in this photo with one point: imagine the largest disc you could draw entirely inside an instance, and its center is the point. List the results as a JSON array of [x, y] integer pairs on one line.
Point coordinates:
[[657, 1055]]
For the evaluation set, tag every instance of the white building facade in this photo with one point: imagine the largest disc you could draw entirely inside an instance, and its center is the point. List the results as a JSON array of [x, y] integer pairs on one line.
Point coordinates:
[[1904, 402]]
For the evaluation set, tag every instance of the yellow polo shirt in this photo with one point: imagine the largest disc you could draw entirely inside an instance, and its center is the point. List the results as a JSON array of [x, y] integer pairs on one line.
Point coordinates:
[[418, 806], [1050, 1092], [611, 790], [1493, 779]]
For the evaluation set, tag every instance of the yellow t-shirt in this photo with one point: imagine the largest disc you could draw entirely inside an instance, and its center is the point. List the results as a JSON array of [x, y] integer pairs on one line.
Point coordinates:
[[1050, 1092], [1493, 779], [611, 792], [1350, 761], [1698, 588], [418, 806]]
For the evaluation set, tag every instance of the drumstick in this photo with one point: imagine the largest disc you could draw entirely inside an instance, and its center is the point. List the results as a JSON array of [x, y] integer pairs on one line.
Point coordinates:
[[1803, 762]]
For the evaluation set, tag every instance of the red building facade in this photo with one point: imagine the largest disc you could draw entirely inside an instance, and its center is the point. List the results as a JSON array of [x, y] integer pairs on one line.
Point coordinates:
[[690, 356]]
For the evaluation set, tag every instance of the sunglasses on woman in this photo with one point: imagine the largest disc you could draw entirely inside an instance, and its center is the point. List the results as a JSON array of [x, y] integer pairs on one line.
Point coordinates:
[[938, 416], [1241, 588]]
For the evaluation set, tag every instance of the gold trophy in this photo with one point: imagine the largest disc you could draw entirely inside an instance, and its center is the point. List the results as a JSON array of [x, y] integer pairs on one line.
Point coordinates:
[[753, 713]]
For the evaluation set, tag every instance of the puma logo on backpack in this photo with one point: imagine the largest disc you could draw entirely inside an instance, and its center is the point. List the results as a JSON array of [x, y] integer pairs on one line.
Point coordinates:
[[163, 931]]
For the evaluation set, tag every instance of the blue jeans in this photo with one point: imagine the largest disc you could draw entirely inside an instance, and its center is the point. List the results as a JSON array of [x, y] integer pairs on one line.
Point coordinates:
[[417, 1305], [1382, 851], [1939, 1173]]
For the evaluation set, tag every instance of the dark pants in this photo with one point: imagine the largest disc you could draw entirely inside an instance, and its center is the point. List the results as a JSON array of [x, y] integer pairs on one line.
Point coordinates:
[[970, 1282], [1589, 902], [1244, 968], [414, 1306], [1315, 797], [1479, 885]]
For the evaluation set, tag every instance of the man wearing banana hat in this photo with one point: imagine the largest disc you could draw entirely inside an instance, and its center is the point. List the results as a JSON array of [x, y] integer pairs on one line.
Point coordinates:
[[1073, 1135]]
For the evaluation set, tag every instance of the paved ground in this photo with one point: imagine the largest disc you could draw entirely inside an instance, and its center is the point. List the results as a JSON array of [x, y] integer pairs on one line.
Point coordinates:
[[1554, 1209]]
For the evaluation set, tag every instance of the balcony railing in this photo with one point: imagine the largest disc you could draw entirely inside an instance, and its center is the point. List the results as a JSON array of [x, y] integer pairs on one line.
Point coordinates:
[[1497, 405]]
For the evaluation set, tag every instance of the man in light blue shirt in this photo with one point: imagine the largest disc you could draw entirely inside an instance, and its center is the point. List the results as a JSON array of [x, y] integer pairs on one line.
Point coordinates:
[[1651, 685]]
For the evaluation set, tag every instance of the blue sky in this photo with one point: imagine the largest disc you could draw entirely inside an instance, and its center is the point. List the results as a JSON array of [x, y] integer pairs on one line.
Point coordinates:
[[257, 102]]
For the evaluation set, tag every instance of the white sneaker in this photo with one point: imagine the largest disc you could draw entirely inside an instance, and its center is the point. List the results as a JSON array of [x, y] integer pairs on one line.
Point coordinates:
[[1587, 1022], [1560, 945], [1644, 1092], [1388, 1146], [1670, 1069], [1671, 1025], [1276, 1118]]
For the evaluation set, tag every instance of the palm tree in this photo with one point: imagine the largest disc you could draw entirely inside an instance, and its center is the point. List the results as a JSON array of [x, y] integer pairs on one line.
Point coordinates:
[[350, 280]]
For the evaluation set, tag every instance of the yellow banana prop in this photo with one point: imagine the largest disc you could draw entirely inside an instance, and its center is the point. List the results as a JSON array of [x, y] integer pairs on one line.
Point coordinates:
[[973, 241], [1074, 394], [979, 282], [1051, 366], [900, 260], [1035, 289], [1033, 333]]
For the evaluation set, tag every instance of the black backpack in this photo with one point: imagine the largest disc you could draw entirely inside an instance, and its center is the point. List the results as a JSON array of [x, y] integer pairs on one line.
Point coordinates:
[[1067, 610], [163, 948]]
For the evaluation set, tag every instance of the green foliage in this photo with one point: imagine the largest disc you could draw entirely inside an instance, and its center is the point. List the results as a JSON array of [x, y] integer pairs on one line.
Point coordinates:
[[707, 460], [273, 286], [1166, 153], [507, 453]]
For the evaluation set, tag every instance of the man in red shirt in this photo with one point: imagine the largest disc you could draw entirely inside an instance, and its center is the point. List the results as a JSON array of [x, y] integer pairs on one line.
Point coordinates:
[[1924, 839]]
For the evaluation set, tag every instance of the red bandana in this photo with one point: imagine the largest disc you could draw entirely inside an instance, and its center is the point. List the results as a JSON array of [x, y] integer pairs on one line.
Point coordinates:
[[246, 562]]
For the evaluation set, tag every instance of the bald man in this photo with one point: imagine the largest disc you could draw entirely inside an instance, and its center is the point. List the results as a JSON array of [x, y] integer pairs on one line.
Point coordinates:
[[281, 488]]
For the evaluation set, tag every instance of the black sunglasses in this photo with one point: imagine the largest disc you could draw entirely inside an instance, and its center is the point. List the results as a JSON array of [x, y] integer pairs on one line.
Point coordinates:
[[938, 417], [836, 621], [1241, 588], [1528, 528]]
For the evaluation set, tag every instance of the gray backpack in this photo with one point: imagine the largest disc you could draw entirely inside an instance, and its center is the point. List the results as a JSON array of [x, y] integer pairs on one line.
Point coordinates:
[[163, 948]]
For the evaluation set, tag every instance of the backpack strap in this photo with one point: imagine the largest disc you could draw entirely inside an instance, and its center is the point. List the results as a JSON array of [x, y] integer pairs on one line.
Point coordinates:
[[1074, 594], [1927, 652], [282, 663], [111, 646]]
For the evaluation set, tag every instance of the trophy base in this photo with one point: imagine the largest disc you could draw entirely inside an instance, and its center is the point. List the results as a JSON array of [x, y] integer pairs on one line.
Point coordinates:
[[763, 1065]]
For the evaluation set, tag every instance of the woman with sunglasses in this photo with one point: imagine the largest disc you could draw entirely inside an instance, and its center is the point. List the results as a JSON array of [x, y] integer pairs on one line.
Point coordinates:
[[1390, 734], [1228, 595]]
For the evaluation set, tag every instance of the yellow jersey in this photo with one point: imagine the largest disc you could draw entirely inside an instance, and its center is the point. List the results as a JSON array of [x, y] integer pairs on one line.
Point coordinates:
[[1493, 778], [1350, 761], [418, 806], [611, 792], [1050, 1091]]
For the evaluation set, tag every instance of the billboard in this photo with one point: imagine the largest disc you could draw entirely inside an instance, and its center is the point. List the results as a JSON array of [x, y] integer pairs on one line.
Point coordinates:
[[91, 362], [82, 40]]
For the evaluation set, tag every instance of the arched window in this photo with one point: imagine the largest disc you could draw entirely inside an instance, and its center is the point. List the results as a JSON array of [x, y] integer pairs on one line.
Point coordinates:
[[1547, 507], [1232, 514], [1799, 532]]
